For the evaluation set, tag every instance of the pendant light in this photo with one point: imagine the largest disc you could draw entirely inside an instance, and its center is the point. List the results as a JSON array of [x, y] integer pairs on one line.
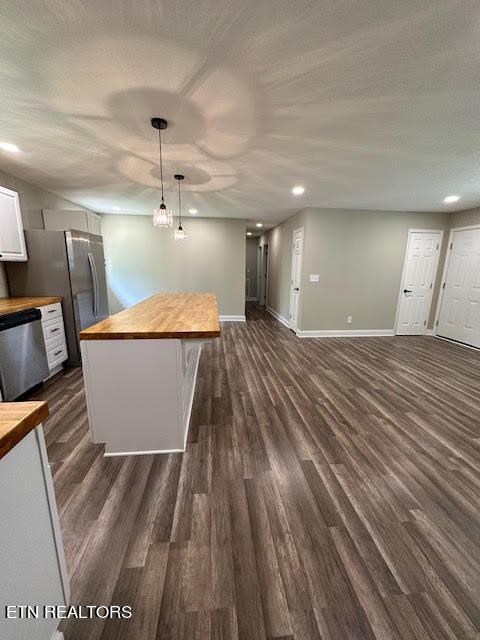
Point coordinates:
[[180, 233], [162, 217]]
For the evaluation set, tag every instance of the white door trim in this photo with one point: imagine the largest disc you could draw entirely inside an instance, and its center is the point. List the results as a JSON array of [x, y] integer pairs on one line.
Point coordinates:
[[400, 291], [453, 230], [295, 328]]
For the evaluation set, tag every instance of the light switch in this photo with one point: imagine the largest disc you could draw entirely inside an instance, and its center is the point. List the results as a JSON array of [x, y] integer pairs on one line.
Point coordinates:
[[314, 277]]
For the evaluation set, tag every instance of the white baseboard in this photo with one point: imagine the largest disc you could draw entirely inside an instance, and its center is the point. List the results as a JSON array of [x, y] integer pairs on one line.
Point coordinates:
[[57, 635], [233, 319], [114, 454], [346, 333], [429, 332], [277, 316]]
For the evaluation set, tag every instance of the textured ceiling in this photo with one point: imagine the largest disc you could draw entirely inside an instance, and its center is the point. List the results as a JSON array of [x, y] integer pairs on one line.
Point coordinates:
[[370, 104]]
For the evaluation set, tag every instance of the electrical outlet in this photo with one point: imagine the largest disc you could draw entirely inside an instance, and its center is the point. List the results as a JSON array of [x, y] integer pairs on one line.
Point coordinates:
[[349, 319], [314, 277]]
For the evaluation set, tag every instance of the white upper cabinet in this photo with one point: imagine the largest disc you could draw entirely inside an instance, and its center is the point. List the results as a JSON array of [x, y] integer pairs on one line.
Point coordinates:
[[12, 239], [65, 219], [93, 223]]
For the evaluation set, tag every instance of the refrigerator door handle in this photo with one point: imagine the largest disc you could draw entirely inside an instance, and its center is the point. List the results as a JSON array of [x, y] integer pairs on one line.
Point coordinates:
[[95, 284]]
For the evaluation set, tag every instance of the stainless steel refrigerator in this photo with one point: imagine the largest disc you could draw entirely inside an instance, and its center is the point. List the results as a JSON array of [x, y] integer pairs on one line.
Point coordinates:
[[70, 264]]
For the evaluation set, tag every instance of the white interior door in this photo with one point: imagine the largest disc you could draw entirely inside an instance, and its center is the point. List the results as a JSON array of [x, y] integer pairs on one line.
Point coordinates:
[[459, 317], [297, 253], [420, 270]]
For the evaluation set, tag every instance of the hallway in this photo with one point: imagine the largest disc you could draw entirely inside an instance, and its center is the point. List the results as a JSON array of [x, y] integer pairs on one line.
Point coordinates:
[[329, 489]]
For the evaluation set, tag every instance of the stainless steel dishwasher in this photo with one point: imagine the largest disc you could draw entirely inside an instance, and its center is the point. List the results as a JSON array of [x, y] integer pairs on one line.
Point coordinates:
[[23, 358]]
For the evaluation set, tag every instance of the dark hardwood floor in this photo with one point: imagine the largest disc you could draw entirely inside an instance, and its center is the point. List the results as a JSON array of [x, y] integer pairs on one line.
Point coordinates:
[[330, 489]]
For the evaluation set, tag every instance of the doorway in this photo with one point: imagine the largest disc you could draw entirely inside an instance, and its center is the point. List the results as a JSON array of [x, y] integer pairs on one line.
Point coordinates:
[[458, 316], [251, 270], [262, 271], [296, 276], [418, 279]]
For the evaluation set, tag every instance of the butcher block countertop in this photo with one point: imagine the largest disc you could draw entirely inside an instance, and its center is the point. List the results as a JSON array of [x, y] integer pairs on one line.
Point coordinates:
[[17, 419], [168, 315], [10, 305]]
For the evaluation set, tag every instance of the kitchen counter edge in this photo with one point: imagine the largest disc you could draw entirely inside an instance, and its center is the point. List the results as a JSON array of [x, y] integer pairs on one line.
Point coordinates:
[[17, 419]]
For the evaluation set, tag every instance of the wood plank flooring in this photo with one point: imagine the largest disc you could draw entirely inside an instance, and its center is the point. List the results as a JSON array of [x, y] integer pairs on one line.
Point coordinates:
[[330, 489]]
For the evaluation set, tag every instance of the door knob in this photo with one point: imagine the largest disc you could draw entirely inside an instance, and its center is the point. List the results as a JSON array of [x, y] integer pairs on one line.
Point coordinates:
[[407, 291]]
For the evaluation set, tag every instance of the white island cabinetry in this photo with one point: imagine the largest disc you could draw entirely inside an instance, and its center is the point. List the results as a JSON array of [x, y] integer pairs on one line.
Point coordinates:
[[140, 369]]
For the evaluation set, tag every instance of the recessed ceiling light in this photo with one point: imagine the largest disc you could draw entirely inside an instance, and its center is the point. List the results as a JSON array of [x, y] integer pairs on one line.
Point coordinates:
[[298, 190], [249, 233], [115, 208], [259, 224], [451, 199], [193, 211], [8, 146]]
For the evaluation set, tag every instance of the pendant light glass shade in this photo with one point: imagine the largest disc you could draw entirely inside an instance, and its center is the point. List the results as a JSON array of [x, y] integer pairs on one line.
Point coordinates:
[[162, 217], [180, 233]]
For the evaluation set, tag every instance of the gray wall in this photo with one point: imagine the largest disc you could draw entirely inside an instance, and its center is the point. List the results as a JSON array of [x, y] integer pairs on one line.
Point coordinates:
[[465, 218], [143, 260], [359, 257], [32, 200], [251, 265]]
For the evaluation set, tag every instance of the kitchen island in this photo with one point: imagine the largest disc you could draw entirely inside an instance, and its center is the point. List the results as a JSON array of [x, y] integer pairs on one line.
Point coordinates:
[[140, 368]]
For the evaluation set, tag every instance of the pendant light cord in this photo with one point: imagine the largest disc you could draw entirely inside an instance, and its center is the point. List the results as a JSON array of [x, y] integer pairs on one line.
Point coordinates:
[[179, 203], [161, 164]]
